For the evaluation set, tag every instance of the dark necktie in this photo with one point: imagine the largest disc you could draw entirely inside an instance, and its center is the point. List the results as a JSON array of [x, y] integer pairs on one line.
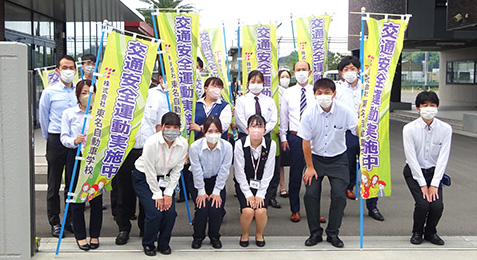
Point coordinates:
[[302, 101], [258, 110]]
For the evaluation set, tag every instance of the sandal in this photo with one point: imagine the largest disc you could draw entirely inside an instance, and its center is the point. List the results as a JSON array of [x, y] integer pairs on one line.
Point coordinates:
[[283, 193]]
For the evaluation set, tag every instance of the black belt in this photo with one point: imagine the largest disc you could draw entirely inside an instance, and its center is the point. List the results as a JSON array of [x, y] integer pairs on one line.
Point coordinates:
[[430, 170], [327, 158]]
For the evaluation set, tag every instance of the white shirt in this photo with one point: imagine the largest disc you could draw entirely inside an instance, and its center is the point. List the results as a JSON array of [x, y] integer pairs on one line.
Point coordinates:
[[326, 131], [426, 147], [348, 95], [225, 116], [206, 163], [245, 108], [239, 166], [290, 108], [158, 159], [71, 124], [156, 106]]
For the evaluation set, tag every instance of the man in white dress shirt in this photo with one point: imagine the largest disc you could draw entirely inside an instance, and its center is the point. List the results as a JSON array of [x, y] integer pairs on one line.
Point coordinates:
[[322, 128], [427, 143], [348, 91], [292, 106]]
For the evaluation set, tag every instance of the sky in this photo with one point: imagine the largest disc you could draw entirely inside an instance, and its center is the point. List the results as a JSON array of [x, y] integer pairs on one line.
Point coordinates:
[[215, 12]]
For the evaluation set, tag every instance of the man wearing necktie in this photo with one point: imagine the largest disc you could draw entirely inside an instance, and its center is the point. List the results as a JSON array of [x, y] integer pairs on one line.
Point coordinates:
[[294, 102]]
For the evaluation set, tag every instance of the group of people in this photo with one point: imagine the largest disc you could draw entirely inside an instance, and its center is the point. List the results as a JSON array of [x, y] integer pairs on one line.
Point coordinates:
[[317, 132]]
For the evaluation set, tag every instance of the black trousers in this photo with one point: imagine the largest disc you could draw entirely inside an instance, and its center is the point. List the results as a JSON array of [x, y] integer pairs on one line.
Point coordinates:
[[425, 213], [297, 164], [336, 169], [77, 209], [187, 180], [56, 156], [125, 194], [208, 214], [156, 221]]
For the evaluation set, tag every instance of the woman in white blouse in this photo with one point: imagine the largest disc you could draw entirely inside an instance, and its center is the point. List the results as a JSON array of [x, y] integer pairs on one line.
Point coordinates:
[[72, 122], [254, 163], [155, 177]]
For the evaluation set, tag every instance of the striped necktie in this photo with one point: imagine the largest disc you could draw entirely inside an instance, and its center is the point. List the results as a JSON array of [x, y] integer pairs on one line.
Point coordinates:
[[302, 101]]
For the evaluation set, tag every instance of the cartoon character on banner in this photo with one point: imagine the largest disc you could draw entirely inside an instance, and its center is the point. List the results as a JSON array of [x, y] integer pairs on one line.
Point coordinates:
[[365, 184]]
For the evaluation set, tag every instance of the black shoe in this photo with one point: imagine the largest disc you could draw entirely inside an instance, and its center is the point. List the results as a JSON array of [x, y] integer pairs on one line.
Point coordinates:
[[93, 245], [274, 203], [416, 238], [56, 230], [216, 243], [435, 239], [84, 247], [69, 227], [313, 240], [123, 238], [165, 250], [150, 250], [243, 243], [103, 207], [180, 200], [335, 241], [374, 213], [260, 243], [134, 217], [196, 243]]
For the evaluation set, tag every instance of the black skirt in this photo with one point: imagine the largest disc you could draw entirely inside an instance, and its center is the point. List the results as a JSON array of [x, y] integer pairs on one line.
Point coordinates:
[[243, 201]]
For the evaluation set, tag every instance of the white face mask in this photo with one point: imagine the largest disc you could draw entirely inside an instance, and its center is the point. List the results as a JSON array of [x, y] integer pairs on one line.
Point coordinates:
[[67, 75], [428, 112], [301, 77], [212, 138], [324, 100], [256, 133], [214, 92], [89, 70], [255, 88], [350, 76], [284, 82]]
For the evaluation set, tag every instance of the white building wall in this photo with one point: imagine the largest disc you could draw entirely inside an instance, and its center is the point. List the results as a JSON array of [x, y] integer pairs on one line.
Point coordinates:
[[456, 94]]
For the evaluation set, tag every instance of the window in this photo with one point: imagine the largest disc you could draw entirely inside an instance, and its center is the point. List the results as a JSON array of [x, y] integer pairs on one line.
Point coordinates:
[[461, 72]]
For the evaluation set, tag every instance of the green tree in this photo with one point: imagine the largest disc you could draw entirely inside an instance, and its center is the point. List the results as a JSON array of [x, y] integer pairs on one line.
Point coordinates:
[[168, 6]]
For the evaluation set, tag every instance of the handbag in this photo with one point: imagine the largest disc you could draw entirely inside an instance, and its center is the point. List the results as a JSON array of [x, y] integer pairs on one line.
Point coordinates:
[[446, 180]]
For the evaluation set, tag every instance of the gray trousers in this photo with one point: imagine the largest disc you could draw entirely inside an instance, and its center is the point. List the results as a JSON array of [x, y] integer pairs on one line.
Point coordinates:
[[336, 168]]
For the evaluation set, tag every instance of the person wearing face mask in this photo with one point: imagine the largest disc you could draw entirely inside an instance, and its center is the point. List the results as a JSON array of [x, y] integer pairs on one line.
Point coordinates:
[[255, 102], [71, 125], [89, 60], [254, 164], [54, 100], [211, 103], [155, 177], [295, 101], [210, 160], [284, 80], [427, 143], [322, 128], [123, 197], [348, 91]]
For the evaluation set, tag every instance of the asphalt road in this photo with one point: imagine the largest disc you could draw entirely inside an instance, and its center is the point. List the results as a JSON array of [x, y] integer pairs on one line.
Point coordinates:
[[458, 218]]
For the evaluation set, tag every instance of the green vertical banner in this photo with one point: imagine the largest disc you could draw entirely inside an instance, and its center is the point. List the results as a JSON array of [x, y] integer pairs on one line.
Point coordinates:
[[381, 56], [213, 51], [312, 38], [180, 33], [117, 111], [259, 45]]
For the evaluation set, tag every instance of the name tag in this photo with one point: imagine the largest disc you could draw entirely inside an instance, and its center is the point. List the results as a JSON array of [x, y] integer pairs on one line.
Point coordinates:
[[163, 182], [254, 184]]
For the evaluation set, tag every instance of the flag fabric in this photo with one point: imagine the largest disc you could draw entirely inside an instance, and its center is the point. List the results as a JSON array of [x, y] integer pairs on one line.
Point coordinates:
[[50, 77], [213, 51], [180, 33], [259, 45], [312, 39], [117, 111], [381, 55]]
